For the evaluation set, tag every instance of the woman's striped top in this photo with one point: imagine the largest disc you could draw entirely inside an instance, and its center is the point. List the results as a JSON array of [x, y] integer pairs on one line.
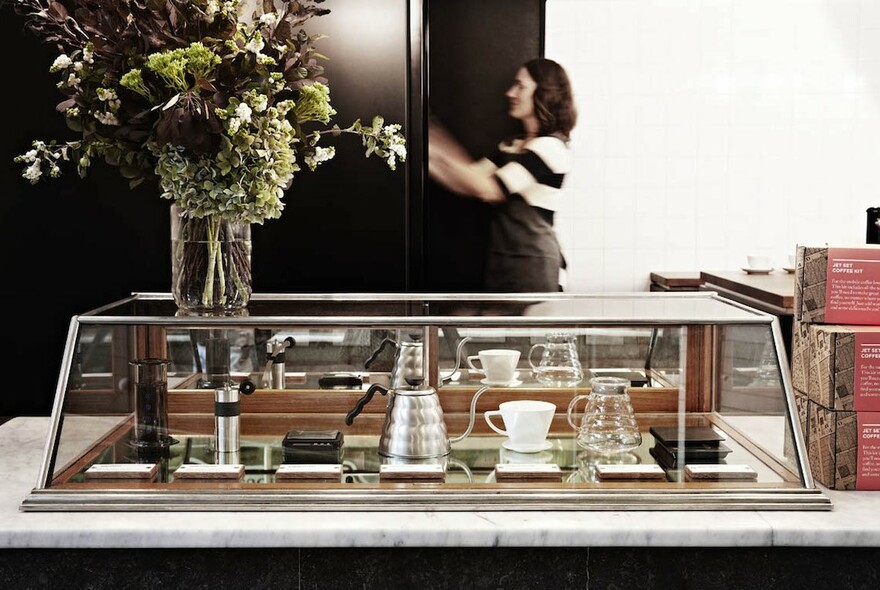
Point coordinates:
[[533, 169]]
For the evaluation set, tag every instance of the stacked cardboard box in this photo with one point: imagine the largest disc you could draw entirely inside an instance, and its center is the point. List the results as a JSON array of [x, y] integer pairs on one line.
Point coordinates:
[[836, 363]]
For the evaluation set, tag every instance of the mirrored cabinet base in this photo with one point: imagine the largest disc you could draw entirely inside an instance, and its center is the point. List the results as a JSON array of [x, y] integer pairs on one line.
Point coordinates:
[[648, 401]]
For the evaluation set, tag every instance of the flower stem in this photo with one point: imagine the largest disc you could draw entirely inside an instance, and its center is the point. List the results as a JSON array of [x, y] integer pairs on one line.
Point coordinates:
[[213, 243]]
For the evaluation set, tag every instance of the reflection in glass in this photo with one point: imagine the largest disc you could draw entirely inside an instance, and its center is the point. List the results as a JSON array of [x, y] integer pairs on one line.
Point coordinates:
[[150, 391]]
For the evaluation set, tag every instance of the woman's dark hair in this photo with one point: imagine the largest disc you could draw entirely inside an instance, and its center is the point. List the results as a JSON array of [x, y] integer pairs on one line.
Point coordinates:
[[554, 105]]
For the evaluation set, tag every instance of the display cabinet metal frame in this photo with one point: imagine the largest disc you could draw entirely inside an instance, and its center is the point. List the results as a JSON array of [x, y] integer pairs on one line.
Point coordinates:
[[701, 317]]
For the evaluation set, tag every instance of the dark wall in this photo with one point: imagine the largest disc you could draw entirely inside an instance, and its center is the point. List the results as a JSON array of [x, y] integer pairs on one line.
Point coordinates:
[[69, 245], [344, 226], [475, 49]]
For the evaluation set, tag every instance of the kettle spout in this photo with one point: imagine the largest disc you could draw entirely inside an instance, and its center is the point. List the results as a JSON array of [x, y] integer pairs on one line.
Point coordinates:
[[473, 411], [461, 343]]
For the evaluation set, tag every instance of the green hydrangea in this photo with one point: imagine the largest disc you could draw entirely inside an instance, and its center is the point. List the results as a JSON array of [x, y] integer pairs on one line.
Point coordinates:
[[134, 81], [247, 177], [173, 66], [314, 104]]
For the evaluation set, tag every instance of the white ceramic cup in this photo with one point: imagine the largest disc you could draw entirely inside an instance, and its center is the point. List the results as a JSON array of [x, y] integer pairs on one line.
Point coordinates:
[[527, 422], [498, 364], [759, 262]]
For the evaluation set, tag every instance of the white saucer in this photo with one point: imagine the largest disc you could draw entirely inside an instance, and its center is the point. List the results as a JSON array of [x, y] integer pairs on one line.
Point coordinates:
[[758, 271], [527, 448], [788, 270], [513, 383]]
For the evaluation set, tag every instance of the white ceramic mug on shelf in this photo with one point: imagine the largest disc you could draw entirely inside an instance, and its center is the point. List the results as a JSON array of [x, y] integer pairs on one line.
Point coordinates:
[[526, 423], [498, 364]]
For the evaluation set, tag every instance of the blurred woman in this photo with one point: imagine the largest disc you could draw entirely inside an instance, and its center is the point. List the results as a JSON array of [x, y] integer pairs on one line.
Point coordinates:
[[522, 180]]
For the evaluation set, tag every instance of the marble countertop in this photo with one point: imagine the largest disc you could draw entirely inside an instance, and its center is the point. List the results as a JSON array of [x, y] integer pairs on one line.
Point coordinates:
[[854, 521]]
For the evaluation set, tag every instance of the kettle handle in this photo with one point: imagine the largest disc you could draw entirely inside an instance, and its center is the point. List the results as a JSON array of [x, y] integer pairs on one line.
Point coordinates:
[[359, 406], [385, 342]]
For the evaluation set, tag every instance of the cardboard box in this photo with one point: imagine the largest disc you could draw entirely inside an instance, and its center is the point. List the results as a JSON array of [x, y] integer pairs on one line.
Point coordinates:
[[838, 367], [838, 285], [832, 447], [801, 355], [843, 447]]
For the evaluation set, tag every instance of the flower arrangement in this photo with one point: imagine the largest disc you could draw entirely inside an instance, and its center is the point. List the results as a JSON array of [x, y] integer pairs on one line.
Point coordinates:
[[220, 102]]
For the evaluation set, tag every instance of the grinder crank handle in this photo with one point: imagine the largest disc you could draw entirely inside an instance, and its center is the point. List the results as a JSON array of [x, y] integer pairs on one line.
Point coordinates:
[[359, 406]]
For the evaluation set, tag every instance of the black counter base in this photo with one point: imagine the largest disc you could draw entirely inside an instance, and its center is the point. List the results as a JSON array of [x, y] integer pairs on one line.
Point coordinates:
[[544, 568]]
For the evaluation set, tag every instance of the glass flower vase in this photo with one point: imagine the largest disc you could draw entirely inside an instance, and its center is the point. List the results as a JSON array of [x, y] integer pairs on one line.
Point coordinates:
[[210, 262]]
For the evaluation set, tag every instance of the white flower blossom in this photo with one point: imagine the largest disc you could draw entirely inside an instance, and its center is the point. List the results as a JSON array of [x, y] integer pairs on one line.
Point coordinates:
[[29, 156], [259, 102], [212, 9], [243, 112], [61, 62], [78, 66], [234, 124], [321, 154], [269, 19], [72, 80], [255, 45], [33, 172], [398, 149], [109, 96], [89, 54], [107, 118]]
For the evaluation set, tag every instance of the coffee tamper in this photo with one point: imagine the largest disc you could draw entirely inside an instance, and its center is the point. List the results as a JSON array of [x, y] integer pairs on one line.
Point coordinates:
[[227, 411], [273, 376]]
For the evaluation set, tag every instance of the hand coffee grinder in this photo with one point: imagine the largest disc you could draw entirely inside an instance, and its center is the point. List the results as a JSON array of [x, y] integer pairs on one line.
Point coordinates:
[[227, 413], [273, 375]]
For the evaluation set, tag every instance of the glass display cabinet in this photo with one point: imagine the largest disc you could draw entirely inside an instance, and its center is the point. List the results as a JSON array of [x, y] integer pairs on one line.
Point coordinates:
[[663, 401]]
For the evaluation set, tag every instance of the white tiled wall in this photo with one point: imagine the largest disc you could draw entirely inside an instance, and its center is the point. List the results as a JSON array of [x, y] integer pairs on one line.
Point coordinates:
[[713, 129]]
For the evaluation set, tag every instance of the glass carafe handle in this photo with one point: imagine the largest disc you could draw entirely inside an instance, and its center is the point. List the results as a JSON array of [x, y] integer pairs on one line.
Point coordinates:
[[531, 350], [571, 406]]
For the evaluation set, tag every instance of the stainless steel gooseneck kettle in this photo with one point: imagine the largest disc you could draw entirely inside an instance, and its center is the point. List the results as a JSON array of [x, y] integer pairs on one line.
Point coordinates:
[[414, 427], [409, 360]]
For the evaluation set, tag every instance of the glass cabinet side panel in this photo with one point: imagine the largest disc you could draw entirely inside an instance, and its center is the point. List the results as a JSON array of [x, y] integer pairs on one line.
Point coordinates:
[[97, 399], [750, 391]]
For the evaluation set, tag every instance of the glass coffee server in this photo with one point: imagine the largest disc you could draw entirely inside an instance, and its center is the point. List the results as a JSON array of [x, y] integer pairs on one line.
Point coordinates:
[[363, 402]]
